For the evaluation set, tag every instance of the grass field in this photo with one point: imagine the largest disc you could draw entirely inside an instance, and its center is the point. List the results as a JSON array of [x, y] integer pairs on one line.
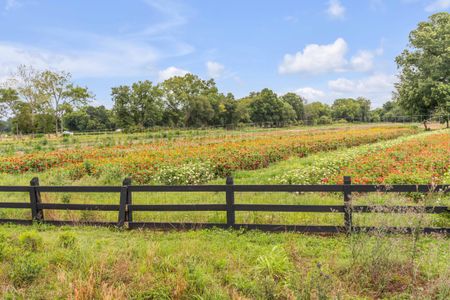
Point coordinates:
[[87, 263]]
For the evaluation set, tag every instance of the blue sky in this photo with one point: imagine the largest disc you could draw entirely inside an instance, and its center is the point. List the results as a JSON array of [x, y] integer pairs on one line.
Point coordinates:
[[321, 50]]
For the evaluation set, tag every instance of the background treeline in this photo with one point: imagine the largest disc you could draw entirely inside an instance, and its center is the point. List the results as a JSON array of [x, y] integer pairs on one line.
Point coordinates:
[[48, 101]]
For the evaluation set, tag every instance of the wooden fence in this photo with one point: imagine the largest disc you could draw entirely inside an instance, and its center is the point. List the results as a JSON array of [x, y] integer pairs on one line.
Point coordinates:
[[125, 206]]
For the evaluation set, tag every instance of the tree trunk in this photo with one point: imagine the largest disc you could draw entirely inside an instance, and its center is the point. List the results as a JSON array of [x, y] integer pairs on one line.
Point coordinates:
[[56, 125], [425, 125]]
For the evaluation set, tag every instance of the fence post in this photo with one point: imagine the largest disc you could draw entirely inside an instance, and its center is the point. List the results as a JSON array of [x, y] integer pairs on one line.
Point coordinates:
[[230, 202], [347, 204], [123, 204], [37, 213], [128, 212]]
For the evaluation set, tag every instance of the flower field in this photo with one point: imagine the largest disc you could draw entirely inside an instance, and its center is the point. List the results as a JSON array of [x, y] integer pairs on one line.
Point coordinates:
[[213, 156], [418, 159]]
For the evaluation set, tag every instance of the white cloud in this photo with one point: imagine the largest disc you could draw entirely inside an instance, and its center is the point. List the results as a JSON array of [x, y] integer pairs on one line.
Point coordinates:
[[316, 58], [310, 93], [171, 72], [438, 5], [363, 61], [371, 84], [335, 9], [214, 69], [86, 54], [111, 58], [327, 58], [174, 16], [377, 87]]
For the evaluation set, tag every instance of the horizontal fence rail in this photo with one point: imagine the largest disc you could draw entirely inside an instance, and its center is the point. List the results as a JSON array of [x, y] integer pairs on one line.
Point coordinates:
[[125, 207]]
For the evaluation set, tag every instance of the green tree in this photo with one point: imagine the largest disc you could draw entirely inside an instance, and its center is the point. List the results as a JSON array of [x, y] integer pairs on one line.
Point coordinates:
[[268, 108], [62, 94], [351, 109], [139, 105], [188, 100], [364, 109], [297, 103], [8, 98], [425, 68], [26, 82], [316, 110], [89, 118]]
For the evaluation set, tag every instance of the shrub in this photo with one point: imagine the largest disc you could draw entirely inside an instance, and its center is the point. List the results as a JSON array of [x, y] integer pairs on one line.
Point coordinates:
[[25, 269], [189, 173], [275, 264], [30, 240], [66, 198], [323, 120], [111, 174], [67, 240]]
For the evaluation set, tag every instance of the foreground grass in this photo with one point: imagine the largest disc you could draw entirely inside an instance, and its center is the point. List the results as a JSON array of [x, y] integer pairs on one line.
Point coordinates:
[[99, 263]]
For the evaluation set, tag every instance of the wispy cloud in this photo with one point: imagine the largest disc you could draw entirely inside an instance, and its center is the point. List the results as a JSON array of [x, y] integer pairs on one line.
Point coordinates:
[[214, 69], [88, 54], [290, 19], [10, 4], [438, 5], [172, 12], [377, 87], [335, 9]]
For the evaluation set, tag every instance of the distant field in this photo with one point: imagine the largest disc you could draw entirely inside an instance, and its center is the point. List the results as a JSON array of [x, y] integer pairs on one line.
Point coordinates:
[[209, 156]]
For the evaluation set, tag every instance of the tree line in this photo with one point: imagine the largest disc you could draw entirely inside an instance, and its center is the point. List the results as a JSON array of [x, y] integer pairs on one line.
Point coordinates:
[[48, 101]]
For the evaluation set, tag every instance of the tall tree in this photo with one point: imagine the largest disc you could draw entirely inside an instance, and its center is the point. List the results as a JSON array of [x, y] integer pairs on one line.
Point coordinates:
[[25, 82], [62, 93], [314, 111], [425, 68], [297, 104], [9, 98], [188, 100], [267, 107], [139, 105], [351, 109]]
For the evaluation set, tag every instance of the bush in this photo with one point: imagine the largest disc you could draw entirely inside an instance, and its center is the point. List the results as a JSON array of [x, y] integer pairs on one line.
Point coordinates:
[[324, 120], [67, 240], [275, 264], [111, 174], [25, 269], [189, 173], [30, 240]]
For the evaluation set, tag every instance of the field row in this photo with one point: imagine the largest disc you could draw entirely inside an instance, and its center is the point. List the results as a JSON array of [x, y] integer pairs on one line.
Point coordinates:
[[196, 161], [418, 159]]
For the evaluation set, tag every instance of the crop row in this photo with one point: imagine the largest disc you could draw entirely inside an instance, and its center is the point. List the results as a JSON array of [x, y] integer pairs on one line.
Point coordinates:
[[416, 159], [219, 156]]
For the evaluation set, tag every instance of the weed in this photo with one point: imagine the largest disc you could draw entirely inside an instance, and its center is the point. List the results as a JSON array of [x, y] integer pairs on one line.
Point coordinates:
[[31, 241]]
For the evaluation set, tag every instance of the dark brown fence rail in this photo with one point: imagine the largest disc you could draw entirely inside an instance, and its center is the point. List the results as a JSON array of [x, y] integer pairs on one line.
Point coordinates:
[[125, 207]]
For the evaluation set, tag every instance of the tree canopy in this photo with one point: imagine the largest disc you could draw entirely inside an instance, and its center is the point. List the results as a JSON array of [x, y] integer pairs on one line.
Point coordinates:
[[424, 86]]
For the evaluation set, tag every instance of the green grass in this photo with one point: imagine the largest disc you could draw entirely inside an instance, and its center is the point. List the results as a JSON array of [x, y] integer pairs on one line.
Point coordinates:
[[98, 263]]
